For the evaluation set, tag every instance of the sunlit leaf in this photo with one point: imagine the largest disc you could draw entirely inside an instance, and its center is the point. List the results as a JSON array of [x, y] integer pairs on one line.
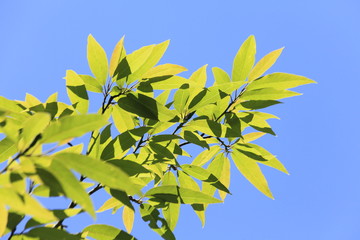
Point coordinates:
[[164, 70], [170, 193], [213, 128], [279, 81], [128, 217], [251, 171], [46, 233], [76, 91], [71, 186], [3, 219], [98, 170], [264, 64], [106, 232], [220, 76], [244, 60], [91, 84], [268, 94], [7, 149], [206, 155], [72, 126], [204, 175], [118, 54], [97, 60], [156, 223]]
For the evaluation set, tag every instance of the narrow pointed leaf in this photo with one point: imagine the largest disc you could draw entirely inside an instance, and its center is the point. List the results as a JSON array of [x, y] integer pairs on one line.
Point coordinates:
[[76, 91], [128, 217], [204, 175], [91, 84], [164, 70], [220, 76], [45, 233], [71, 186], [244, 60], [97, 60], [118, 54], [98, 170], [206, 155], [264, 64], [7, 149], [106, 232], [170, 193], [251, 171], [156, 223], [268, 94], [72, 126]]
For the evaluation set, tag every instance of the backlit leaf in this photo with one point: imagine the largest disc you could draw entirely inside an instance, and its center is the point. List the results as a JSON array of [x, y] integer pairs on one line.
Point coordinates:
[[164, 70], [279, 81], [97, 60], [251, 171], [7, 149], [72, 126], [118, 54], [264, 64], [106, 232], [128, 217], [3, 219], [98, 170], [76, 91], [244, 60]]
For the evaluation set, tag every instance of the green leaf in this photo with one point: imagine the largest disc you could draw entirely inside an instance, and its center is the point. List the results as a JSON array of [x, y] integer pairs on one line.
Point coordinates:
[[91, 84], [172, 210], [45, 233], [213, 128], [272, 161], [76, 91], [171, 193], [251, 171], [3, 219], [186, 181], [7, 149], [220, 76], [199, 76], [106, 232], [117, 56], [257, 104], [105, 173], [181, 98], [164, 70], [25, 204], [164, 138], [32, 127], [206, 155], [268, 94], [13, 219], [109, 204], [156, 223], [161, 150], [264, 64], [279, 81], [244, 60], [123, 120], [9, 105], [97, 60], [166, 83], [146, 107], [204, 175], [71, 186], [128, 217], [252, 136], [194, 138], [72, 126]]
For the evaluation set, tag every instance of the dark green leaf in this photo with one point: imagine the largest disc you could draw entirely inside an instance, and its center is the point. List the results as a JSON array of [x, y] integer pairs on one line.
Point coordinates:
[[106, 232]]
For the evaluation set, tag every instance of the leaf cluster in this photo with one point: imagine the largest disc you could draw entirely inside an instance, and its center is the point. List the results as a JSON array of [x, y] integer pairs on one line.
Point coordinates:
[[139, 137]]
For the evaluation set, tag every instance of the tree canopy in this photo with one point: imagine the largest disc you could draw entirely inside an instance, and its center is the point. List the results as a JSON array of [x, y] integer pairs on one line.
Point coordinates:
[[141, 142]]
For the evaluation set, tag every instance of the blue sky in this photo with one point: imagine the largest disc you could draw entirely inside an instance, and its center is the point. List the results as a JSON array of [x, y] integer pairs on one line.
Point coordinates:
[[317, 134]]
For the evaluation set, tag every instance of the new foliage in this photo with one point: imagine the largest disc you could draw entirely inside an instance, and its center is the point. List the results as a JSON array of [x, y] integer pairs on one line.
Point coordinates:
[[139, 137]]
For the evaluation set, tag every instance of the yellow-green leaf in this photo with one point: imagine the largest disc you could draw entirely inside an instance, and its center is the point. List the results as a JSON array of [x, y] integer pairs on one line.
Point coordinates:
[[97, 60], [251, 171], [264, 64], [164, 70], [109, 204], [128, 217], [91, 84], [72, 126], [98, 170], [76, 91], [3, 219], [7, 149], [244, 60], [106, 232], [268, 94], [206, 155], [118, 54], [220, 76]]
